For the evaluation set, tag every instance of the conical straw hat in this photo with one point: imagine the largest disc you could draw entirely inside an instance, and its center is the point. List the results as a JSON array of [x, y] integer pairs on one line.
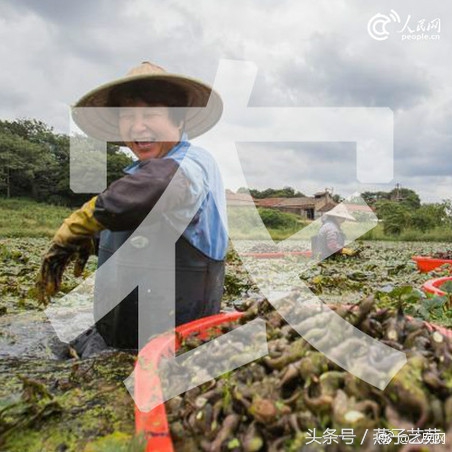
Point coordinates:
[[340, 211], [103, 123]]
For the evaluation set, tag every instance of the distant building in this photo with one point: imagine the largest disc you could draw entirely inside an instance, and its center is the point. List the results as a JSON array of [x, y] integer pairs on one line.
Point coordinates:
[[309, 207], [238, 199]]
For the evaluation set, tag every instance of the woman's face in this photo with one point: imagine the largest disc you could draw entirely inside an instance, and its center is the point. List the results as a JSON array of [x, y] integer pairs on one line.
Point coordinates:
[[148, 131]]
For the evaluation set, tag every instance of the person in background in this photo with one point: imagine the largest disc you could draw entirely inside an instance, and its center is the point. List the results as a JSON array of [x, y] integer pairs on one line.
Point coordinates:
[[159, 139], [330, 240]]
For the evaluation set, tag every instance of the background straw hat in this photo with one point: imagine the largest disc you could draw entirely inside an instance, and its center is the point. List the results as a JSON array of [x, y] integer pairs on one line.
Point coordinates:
[[340, 211], [103, 123]]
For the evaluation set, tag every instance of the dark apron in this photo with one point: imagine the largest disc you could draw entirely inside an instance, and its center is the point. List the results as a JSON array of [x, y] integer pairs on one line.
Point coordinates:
[[199, 288]]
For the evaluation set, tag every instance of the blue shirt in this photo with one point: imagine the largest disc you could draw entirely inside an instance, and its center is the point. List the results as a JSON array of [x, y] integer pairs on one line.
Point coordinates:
[[207, 230]]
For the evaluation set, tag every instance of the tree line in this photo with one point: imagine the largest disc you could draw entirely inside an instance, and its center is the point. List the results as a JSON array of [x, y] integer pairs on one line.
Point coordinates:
[[398, 210], [401, 209], [34, 163], [286, 192]]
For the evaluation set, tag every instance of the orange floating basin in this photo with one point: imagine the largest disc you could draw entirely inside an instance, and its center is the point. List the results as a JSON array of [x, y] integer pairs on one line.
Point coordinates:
[[278, 255], [433, 285], [427, 264], [154, 424]]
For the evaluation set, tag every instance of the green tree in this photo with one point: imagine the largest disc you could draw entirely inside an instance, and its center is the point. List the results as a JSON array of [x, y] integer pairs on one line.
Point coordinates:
[[372, 197], [31, 130], [429, 216], [286, 192], [406, 196], [116, 162], [396, 216], [46, 181], [447, 206], [276, 219], [35, 162], [21, 164]]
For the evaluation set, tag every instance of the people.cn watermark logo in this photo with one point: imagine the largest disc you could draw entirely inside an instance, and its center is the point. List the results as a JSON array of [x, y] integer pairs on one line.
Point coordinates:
[[381, 26]]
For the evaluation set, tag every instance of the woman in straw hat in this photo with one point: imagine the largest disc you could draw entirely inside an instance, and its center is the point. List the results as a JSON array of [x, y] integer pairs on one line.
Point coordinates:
[[147, 111], [330, 239]]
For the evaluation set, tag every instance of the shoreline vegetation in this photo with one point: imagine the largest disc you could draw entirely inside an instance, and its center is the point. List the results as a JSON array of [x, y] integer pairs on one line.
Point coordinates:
[[23, 217]]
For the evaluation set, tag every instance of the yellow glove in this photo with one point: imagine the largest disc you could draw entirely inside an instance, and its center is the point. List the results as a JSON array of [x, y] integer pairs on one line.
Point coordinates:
[[73, 240], [78, 226], [348, 252]]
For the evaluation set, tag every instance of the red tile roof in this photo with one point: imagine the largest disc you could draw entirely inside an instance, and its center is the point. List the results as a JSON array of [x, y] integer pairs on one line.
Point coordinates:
[[268, 202], [238, 199]]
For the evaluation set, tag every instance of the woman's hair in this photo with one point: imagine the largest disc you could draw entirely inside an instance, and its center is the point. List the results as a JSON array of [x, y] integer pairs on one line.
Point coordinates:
[[153, 93]]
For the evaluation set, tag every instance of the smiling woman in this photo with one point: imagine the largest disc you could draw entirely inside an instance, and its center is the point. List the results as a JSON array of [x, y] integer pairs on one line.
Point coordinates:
[[171, 202], [151, 116], [148, 131]]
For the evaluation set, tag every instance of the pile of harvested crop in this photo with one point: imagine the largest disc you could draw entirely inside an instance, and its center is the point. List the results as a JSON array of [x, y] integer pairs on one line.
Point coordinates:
[[296, 399]]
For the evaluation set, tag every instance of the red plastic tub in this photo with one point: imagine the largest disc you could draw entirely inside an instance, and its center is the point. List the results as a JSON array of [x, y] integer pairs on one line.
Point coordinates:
[[278, 255], [154, 424], [426, 264], [433, 285]]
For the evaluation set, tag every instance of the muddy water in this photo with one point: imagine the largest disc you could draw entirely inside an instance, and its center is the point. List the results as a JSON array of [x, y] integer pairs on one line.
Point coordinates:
[[49, 399], [29, 335], [70, 405]]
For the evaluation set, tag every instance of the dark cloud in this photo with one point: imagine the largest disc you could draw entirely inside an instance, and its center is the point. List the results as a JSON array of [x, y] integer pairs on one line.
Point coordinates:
[[333, 72], [68, 14], [301, 165]]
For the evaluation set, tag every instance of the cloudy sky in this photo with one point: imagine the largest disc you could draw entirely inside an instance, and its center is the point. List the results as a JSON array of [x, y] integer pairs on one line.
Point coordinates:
[[315, 53]]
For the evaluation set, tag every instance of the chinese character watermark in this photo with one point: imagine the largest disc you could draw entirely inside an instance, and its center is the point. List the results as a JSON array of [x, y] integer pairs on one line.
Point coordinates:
[[372, 131], [380, 436], [381, 26]]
